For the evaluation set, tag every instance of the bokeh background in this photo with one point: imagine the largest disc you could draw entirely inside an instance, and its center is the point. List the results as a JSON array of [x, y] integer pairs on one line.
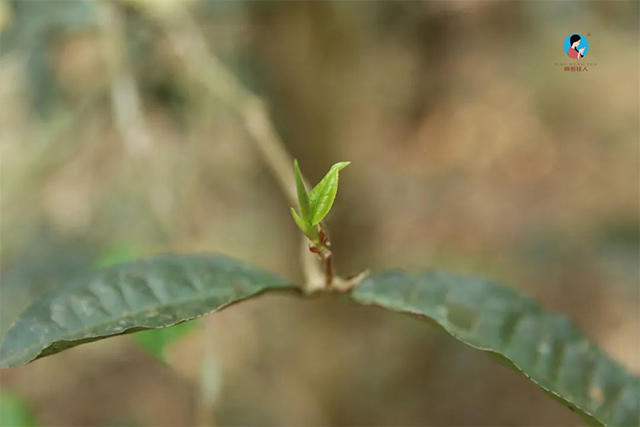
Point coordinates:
[[472, 151]]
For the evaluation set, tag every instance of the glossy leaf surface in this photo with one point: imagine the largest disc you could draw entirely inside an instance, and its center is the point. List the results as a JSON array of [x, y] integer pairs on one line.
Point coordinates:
[[323, 195], [544, 347]]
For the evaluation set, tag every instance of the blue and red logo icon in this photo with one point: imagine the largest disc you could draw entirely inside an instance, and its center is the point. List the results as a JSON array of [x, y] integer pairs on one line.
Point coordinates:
[[576, 46]]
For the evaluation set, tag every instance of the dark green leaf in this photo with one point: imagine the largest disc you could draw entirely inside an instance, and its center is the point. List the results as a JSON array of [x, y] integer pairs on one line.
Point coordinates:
[[140, 295], [303, 197], [544, 347], [322, 196], [154, 341]]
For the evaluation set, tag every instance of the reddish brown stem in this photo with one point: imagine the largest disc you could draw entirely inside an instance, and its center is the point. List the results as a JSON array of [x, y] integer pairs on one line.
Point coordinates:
[[328, 267]]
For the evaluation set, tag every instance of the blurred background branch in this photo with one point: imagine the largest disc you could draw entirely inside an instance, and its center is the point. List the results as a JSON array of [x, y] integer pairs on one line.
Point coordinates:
[[472, 152], [189, 41], [125, 95]]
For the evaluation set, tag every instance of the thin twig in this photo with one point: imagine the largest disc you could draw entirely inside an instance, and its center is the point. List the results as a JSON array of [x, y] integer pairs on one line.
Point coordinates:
[[183, 32], [279, 160], [125, 96], [328, 267]]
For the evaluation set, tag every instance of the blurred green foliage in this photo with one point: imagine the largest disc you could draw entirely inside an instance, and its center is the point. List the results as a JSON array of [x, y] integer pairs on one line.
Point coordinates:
[[14, 412], [157, 342]]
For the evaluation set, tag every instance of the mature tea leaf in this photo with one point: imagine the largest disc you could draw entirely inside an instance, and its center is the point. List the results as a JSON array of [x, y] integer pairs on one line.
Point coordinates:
[[544, 347], [165, 291], [303, 197], [154, 341], [146, 294], [322, 196]]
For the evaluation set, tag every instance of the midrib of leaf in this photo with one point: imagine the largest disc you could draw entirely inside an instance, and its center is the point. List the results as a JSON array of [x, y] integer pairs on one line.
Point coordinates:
[[324, 193], [318, 195]]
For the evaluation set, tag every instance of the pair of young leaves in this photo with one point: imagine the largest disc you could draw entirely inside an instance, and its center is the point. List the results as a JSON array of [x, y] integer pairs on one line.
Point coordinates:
[[316, 204]]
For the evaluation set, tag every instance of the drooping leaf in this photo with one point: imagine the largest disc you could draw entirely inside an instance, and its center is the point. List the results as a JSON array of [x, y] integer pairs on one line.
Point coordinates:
[[322, 196], [14, 412], [157, 293], [303, 197], [158, 341], [140, 295], [542, 346]]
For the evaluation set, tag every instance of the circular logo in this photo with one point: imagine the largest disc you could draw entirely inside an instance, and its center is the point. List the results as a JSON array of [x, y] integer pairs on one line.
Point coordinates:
[[576, 46]]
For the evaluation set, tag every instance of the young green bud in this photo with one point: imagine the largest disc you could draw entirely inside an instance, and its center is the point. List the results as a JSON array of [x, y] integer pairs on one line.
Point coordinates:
[[316, 204]]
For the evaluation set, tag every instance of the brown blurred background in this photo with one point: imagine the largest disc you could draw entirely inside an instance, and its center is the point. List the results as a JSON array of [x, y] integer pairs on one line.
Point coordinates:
[[472, 151]]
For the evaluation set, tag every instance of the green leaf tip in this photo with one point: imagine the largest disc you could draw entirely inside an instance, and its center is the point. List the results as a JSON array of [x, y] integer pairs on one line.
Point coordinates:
[[316, 204], [323, 195]]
